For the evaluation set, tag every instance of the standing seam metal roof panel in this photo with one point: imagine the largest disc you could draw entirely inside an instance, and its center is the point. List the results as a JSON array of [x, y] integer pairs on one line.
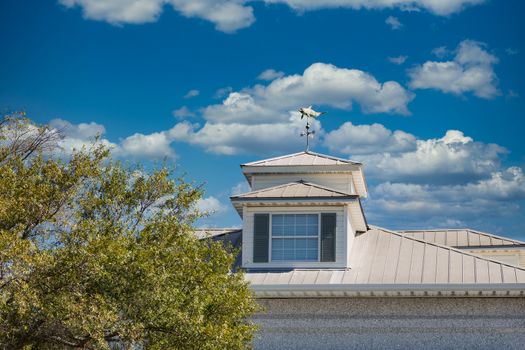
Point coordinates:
[[300, 159], [461, 238], [401, 260]]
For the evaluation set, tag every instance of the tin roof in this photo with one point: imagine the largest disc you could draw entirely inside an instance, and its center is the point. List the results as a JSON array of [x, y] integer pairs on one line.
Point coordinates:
[[464, 238], [297, 189], [209, 232], [301, 158], [390, 262]]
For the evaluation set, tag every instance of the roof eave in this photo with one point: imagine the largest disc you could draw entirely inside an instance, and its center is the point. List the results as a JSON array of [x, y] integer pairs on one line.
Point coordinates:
[[238, 203], [387, 290], [292, 169]]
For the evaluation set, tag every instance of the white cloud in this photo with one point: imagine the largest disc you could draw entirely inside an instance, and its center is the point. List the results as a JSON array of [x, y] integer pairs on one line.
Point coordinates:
[[78, 131], [78, 136], [470, 71], [240, 107], [512, 94], [210, 205], [232, 15], [241, 187], [393, 22], [192, 93], [511, 51], [270, 74], [438, 7], [368, 139], [155, 145], [183, 112], [262, 118], [391, 155], [118, 11], [326, 84], [440, 52], [398, 59], [227, 15], [220, 93], [424, 205], [453, 158], [236, 138]]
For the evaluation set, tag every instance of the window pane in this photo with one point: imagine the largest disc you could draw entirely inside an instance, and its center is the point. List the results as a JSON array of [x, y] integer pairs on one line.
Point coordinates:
[[277, 219], [300, 255], [277, 244], [311, 243], [312, 219], [287, 226], [300, 244], [288, 244], [300, 219], [288, 254], [312, 231], [289, 220], [311, 255], [277, 254], [277, 230], [300, 230], [289, 230]]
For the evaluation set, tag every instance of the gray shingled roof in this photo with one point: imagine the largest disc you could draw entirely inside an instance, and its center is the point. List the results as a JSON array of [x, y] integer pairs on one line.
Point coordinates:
[[298, 189], [301, 158], [463, 238]]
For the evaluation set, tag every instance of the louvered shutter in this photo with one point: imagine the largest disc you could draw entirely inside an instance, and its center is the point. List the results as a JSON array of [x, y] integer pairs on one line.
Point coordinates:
[[328, 237], [261, 236]]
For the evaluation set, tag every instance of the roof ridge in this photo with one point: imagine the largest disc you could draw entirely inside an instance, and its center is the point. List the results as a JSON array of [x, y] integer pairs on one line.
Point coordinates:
[[263, 189], [274, 158], [331, 157], [323, 187], [496, 236], [467, 229], [445, 247]]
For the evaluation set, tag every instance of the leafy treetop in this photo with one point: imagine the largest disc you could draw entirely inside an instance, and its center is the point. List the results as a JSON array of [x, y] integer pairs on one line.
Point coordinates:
[[95, 255]]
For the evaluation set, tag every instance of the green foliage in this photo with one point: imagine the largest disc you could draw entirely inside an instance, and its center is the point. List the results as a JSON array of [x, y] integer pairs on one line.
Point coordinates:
[[95, 255]]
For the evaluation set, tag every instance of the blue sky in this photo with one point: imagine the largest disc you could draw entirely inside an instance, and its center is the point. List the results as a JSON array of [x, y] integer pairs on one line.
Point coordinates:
[[427, 93]]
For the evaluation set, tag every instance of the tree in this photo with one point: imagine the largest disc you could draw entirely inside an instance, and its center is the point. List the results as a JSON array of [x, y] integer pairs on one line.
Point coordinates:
[[95, 255]]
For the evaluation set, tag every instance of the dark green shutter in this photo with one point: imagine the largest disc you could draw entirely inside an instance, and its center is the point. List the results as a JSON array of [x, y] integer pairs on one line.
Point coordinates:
[[261, 235], [328, 237]]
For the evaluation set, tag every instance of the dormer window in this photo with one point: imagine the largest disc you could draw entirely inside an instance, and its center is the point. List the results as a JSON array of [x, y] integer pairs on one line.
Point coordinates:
[[303, 211], [295, 237]]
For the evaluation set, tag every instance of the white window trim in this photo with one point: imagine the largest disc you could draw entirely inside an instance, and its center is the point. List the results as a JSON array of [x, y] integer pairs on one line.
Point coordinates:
[[270, 258]]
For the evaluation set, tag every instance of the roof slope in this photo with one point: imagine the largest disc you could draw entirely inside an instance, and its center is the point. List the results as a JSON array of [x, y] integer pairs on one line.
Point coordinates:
[[301, 158], [209, 232], [229, 237], [297, 189], [463, 238], [387, 261]]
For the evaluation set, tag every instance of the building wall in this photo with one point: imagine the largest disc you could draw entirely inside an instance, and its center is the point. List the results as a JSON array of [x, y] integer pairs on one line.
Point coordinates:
[[340, 244], [391, 323]]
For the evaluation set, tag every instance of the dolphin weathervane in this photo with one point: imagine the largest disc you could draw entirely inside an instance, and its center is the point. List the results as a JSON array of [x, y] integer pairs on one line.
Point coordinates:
[[308, 112]]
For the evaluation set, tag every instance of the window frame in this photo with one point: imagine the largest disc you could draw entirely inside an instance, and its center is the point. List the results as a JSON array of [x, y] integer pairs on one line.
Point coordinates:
[[270, 243]]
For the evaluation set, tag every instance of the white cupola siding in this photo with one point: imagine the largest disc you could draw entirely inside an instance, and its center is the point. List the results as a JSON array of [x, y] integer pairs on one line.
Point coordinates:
[[304, 211]]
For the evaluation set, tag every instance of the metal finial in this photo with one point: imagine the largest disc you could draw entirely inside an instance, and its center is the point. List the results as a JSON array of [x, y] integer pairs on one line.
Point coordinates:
[[307, 133]]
